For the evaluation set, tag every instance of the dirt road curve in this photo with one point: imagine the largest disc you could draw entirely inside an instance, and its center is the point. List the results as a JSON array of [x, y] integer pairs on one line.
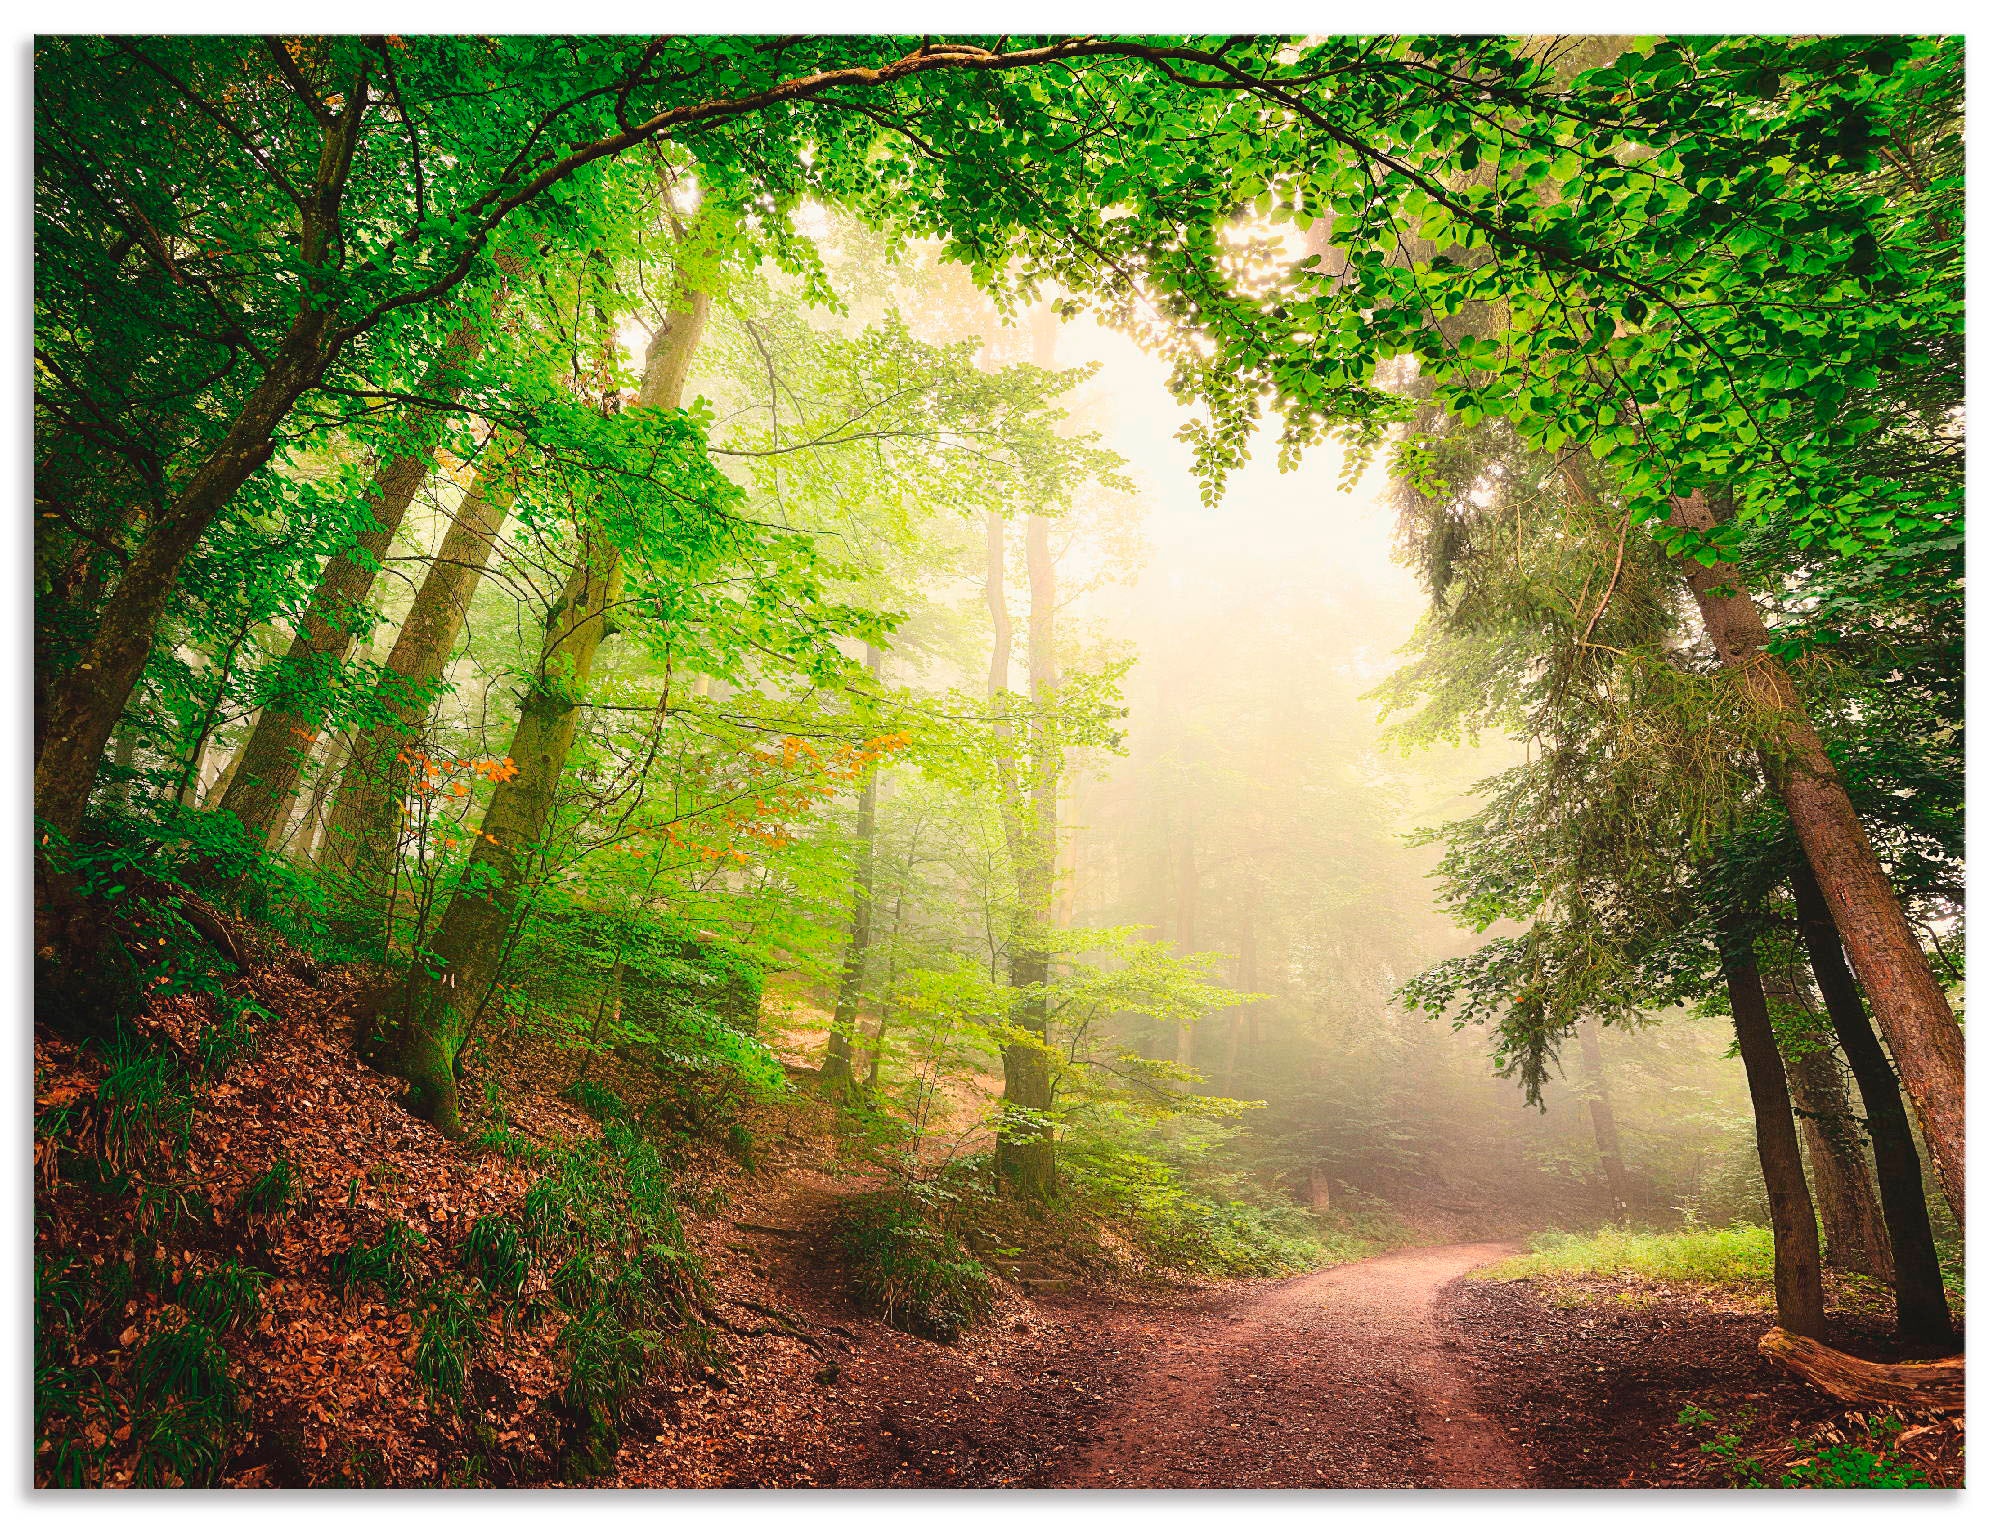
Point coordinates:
[[1333, 1379]]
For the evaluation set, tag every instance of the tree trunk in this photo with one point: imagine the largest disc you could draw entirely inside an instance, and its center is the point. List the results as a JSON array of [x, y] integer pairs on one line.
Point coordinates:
[[1795, 1234], [458, 969], [1921, 1310], [1024, 1152], [274, 758], [1603, 1123], [836, 1073], [364, 829], [1936, 1385], [1856, 1242], [1923, 1032]]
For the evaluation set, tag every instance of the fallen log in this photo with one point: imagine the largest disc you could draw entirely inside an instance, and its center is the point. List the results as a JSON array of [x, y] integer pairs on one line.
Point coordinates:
[[1930, 1385]]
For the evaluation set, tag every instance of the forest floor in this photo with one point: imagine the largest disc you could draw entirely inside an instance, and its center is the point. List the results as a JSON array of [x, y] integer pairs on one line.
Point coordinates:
[[1395, 1371]]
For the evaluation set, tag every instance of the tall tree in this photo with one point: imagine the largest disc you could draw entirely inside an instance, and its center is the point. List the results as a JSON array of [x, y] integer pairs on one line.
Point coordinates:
[[836, 1072], [1894, 973]]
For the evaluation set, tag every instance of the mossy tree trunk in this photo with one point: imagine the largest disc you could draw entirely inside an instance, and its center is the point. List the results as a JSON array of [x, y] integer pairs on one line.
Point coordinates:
[[422, 1035]]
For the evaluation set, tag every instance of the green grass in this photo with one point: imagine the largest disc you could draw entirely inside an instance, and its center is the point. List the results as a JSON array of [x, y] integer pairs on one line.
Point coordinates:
[[1716, 1256]]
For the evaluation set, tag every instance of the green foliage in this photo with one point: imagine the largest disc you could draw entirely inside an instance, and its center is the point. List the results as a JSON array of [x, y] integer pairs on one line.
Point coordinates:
[[495, 1256], [1163, 1188], [911, 1271], [449, 1336], [224, 1297], [1851, 1467], [146, 1104], [598, 1103], [390, 1264], [1835, 1467], [187, 1402], [1721, 1256], [272, 1192]]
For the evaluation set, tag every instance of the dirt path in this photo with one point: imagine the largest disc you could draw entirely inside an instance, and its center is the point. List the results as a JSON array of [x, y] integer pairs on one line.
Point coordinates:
[[1334, 1379]]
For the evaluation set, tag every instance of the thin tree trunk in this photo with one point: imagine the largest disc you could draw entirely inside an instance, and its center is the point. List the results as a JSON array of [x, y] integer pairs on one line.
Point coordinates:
[[836, 1073], [1024, 1151], [1795, 1233], [1603, 1123], [308, 672], [456, 971], [1921, 1310], [1923, 1032], [364, 829]]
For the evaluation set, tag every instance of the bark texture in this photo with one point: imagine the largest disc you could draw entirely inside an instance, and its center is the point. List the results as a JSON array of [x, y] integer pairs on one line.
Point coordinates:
[[1931, 1385], [1922, 1029], [1795, 1233]]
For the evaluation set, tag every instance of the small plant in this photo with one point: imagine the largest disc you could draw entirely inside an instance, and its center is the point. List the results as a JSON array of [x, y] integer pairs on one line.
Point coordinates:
[[910, 1272], [598, 1103], [495, 1256], [167, 1208], [1717, 1256], [224, 1297], [1851, 1467], [390, 1264], [606, 1361], [271, 1192], [187, 1403], [146, 1104], [1727, 1444], [228, 1040], [577, 1283], [449, 1334]]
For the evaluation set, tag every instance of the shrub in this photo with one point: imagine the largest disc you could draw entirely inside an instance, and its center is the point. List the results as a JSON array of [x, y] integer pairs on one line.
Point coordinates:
[[224, 1297], [597, 1102], [449, 1334], [909, 1271], [1849, 1466], [146, 1104], [185, 1403]]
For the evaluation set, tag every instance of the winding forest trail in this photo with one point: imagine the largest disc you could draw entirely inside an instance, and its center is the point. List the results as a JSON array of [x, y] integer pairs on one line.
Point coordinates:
[[1334, 1379]]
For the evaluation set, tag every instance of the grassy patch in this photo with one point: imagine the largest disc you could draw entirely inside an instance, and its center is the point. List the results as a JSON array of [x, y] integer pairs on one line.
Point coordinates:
[[1718, 1256]]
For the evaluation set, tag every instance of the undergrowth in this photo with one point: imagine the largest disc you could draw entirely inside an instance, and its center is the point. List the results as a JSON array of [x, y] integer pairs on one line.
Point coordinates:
[[1833, 1467], [907, 1265], [1713, 1256]]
